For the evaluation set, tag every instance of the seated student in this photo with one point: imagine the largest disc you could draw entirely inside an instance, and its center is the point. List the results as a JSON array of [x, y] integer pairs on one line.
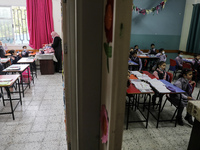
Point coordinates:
[[184, 84], [14, 57], [152, 50], [131, 52], [137, 60], [161, 55], [1, 47], [179, 60], [2, 52], [25, 52], [196, 62], [136, 48], [160, 73]]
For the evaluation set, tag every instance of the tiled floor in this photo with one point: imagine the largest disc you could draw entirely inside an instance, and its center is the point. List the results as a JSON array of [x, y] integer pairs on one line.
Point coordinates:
[[166, 137], [39, 122]]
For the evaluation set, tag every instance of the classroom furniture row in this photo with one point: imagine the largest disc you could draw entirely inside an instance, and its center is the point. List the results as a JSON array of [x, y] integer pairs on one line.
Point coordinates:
[[135, 101], [18, 77]]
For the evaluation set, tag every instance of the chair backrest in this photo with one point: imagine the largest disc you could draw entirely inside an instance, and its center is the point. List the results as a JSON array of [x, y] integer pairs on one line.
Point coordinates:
[[145, 63], [186, 65], [172, 66], [171, 76]]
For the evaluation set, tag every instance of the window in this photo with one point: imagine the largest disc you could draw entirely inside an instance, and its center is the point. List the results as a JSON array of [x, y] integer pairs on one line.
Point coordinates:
[[13, 25]]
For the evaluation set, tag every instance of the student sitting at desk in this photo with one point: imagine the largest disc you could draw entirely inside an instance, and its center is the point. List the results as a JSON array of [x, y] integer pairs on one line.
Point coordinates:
[[196, 62], [161, 55], [184, 84], [152, 50], [14, 57], [131, 53], [179, 60], [160, 73], [137, 60], [136, 48], [25, 52]]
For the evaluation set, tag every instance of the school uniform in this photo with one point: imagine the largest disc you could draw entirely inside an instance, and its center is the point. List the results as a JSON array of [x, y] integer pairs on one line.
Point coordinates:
[[196, 64], [138, 61], [2, 52], [179, 61], [152, 51], [162, 57], [25, 53], [16, 58], [183, 84], [139, 52]]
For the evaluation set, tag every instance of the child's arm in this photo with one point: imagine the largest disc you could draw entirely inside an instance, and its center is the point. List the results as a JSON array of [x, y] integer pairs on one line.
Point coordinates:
[[179, 85], [155, 73]]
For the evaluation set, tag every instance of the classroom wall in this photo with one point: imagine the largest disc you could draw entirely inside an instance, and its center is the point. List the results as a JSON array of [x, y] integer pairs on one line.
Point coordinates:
[[163, 29], [56, 16], [186, 23]]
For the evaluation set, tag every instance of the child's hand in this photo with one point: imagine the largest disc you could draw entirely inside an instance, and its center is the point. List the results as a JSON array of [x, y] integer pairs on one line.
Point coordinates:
[[192, 82], [189, 98]]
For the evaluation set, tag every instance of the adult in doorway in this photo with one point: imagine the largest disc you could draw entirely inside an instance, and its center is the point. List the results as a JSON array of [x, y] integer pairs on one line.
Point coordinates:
[[58, 51]]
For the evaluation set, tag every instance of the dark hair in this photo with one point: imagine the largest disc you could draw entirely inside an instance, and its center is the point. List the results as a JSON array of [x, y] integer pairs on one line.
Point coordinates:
[[152, 44], [184, 72], [161, 49], [24, 46], [134, 52], [160, 64], [131, 48], [180, 52], [12, 51], [195, 55], [135, 46]]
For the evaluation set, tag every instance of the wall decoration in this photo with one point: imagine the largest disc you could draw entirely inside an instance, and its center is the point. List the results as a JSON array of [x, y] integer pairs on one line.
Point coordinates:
[[104, 124], [108, 23], [149, 11]]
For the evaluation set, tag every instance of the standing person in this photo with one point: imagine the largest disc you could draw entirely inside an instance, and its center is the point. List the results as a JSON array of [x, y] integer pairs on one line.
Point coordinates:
[[179, 60], [58, 51], [183, 83], [152, 50]]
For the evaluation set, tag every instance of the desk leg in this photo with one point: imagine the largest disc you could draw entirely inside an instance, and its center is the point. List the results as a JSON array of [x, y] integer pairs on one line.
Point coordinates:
[[148, 110], [2, 96], [160, 104], [28, 79], [11, 104], [31, 65], [20, 97], [198, 95], [128, 113], [22, 84]]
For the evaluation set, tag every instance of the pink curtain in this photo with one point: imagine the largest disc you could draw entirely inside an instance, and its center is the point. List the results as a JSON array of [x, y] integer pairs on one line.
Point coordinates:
[[40, 22]]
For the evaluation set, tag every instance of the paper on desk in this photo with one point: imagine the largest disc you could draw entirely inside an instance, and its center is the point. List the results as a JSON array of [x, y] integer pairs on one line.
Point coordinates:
[[5, 80]]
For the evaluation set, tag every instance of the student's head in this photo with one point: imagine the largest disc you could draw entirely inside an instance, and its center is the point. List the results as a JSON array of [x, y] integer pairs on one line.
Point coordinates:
[[180, 53], [12, 52], [24, 47], [136, 47], [197, 56], [162, 51], [161, 65], [131, 49], [152, 45], [134, 54], [187, 74]]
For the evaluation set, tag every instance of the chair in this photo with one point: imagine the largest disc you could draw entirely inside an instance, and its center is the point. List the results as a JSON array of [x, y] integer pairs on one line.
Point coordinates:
[[170, 76], [187, 65], [173, 67]]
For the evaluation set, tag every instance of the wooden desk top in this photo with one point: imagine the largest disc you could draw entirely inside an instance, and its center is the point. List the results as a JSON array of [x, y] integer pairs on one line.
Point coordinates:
[[32, 54], [13, 68], [8, 80], [26, 60], [5, 60]]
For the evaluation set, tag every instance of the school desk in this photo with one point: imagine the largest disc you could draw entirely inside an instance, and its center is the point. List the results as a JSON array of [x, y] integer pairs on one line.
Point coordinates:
[[5, 62], [133, 92], [19, 68], [31, 61], [7, 81], [177, 91]]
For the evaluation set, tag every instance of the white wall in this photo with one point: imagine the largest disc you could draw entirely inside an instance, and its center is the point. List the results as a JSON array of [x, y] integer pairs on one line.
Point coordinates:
[[186, 23], [56, 15]]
